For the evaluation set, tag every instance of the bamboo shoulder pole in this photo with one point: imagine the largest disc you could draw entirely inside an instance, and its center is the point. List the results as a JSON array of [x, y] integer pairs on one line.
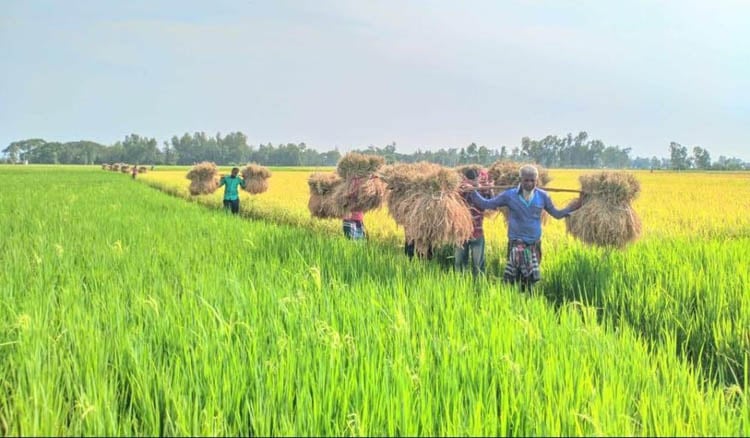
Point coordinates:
[[546, 189]]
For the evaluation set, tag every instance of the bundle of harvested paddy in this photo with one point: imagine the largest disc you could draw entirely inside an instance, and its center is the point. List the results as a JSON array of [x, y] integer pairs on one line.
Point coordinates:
[[255, 177], [115, 167], [322, 204], [361, 189], [356, 165], [203, 178], [142, 169], [606, 217], [424, 199], [125, 168], [359, 194], [400, 179]]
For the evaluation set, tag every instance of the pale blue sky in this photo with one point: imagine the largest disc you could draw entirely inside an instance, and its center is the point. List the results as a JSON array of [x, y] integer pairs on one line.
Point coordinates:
[[425, 74]]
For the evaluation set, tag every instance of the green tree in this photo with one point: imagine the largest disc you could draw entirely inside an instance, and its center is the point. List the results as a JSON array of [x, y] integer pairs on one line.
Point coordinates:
[[139, 150], [169, 155], [678, 156], [21, 150], [701, 158]]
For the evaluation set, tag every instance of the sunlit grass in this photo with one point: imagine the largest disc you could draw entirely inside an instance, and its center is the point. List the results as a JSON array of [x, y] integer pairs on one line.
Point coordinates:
[[668, 282]]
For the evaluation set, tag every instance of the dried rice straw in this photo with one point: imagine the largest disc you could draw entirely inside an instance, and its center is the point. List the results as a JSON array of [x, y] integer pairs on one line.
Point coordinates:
[[606, 217], [255, 177], [203, 178]]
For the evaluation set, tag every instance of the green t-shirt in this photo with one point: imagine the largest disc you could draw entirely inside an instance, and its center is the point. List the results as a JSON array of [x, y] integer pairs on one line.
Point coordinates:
[[230, 187]]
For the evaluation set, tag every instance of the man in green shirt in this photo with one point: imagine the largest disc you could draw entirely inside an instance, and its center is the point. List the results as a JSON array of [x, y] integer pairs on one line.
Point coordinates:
[[231, 194]]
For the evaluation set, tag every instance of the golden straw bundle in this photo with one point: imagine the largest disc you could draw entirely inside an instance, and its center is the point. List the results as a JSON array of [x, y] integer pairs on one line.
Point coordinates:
[[425, 200], [202, 178], [354, 164], [606, 217], [359, 194], [400, 179], [360, 190], [255, 177], [322, 204], [142, 169]]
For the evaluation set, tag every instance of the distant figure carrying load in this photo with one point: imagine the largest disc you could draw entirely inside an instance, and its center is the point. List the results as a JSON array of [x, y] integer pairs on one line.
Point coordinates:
[[231, 194], [525, 203], [134, 172]]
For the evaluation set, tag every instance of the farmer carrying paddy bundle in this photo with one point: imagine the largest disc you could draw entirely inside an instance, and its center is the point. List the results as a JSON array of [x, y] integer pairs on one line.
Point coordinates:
[[525, 204], [399, 178], [360, 191], [231, 193], [255, 177], [606, 217], [424, 199], [203, 178]]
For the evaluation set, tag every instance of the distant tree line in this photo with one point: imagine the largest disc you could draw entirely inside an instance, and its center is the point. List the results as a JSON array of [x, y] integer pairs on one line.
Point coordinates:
[[551, 151]]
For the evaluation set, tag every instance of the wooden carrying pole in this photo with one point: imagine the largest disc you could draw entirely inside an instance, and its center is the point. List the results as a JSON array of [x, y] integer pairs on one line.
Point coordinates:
[[546, 189]]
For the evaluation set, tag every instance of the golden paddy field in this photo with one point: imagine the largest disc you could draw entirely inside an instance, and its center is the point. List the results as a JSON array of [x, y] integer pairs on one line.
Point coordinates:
[[701, 205]]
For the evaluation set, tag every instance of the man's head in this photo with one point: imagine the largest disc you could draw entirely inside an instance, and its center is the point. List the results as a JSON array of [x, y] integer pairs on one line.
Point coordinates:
[[235, 171], [471, 174], [529, 174]]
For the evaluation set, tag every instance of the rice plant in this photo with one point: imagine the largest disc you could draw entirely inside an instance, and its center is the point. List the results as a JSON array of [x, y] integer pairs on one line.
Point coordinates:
[[128, 312]]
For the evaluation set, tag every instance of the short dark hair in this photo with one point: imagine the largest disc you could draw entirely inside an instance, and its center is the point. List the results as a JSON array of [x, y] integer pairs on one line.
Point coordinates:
[[235, 169], [471, 173]]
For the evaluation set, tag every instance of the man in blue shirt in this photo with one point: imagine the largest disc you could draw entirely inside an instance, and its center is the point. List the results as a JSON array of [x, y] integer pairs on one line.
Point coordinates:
[[525, 204], [231, 194]]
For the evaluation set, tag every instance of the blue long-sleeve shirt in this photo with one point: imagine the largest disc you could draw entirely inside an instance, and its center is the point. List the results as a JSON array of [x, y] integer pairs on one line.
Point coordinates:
[[525, 218]]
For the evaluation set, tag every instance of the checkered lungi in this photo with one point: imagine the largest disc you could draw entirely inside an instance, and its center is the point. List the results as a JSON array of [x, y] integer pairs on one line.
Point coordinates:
[[523, 262]]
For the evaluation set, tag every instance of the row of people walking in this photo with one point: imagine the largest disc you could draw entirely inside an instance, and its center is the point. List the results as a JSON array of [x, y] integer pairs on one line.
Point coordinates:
[[525, 204]]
